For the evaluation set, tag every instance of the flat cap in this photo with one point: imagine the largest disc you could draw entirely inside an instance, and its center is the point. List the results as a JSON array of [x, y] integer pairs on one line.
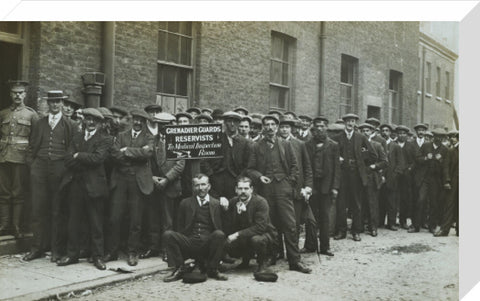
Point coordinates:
[[232, 115], [256, 115], [183, 114], [439, 132], [153, 107], [207, 110], [265, 276], [204, 116], [336, 127], [163, 117], [340, 121], [420, 125], [248, 118], [285, 120], [273, 111], [321, 118], [366, 125], [257, 121], [140, 113], [105, 112], [453, 133], [428, 133], [242, 109], [306, 117], [350, 116], [217, 114], [194, 109], [119, 110], [402, 127], [386, 125], [92, 112], [373, 121], [273, 117], [290, 113]]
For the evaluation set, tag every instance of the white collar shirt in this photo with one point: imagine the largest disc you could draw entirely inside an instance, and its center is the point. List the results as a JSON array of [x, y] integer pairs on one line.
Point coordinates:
[[206, 200], [53, 119], [89, 135]]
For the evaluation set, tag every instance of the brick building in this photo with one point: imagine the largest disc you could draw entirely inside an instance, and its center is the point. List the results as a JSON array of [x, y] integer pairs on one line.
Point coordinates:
[[371, 68]]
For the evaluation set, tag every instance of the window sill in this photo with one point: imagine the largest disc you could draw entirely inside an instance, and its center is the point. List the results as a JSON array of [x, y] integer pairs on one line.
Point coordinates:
[[419, 92], [448, 101], [438, 98], [428, 95]]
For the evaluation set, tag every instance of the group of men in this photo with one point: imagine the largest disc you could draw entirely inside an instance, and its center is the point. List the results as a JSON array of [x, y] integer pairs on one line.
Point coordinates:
[[100, 182]]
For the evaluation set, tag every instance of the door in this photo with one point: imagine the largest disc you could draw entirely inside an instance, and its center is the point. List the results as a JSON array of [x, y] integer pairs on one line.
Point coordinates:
[[10, 66]]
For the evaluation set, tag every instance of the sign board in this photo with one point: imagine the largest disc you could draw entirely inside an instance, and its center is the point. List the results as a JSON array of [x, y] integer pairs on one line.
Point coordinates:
[[193, 141]]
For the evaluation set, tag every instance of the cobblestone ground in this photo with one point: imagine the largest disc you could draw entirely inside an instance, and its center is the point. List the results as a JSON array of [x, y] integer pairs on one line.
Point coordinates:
[[392, 266]]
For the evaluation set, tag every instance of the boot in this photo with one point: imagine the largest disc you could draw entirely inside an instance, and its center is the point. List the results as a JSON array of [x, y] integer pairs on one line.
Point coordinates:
[[4, 219], [17, 213]]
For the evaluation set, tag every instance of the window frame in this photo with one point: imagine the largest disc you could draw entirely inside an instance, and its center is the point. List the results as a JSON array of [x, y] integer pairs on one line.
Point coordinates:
[[350, 106]]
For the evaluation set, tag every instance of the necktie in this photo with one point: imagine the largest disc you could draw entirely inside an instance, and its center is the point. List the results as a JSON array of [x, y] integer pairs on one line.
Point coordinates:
[[135, 134], [87, 136], [52, 122], [203, 201]]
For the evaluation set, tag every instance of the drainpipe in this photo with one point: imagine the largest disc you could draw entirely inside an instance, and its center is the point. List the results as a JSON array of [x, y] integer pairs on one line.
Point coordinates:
[[108, 60], [423, 84], [321, 96]]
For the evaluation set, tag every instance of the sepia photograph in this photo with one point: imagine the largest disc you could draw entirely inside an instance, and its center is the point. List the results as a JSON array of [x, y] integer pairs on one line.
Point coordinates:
[[229, 160]]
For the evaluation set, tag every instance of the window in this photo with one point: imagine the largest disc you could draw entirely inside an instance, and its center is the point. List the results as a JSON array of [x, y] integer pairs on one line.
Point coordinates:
[[373, 111], [395, 97], [348, 80], [438, 84], [174, 65], [281, 71], [428, 78], [447, 85]]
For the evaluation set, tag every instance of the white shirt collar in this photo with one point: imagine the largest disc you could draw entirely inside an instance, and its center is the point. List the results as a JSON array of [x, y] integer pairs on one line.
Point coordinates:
[[389, 140], [153, 127], [55, 118], [401, 144], [135, 132], [435, 146], [420, 141], [349, 134], [456, 145], [207, 199], [89, 135]]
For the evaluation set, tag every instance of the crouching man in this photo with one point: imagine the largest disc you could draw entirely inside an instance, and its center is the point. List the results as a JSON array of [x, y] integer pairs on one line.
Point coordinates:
[[250, 227], [200, 235]]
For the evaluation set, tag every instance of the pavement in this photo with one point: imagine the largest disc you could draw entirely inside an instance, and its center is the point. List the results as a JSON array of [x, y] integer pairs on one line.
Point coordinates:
[[41, 279]]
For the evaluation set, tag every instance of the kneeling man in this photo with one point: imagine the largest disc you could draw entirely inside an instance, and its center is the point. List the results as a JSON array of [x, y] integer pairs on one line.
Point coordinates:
[[200, 235], [249, 223]]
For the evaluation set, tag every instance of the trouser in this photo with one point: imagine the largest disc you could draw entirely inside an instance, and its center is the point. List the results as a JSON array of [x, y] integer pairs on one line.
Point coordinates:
[[126, 198], [387, 197], [351, 195], [404, 198], [49, 209], [247, 247], [204, 246], [436, 195], [304, 215], [421, 204], [223, 184], [84, 208], [282, 214], [370, 203], [321, 204], [450, 212], [13, 190]]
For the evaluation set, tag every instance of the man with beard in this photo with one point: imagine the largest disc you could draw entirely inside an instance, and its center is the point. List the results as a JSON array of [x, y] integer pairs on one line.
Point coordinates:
[[324, 157], [274, 166], [87, 188], [16, 123], [356, 154], [49, 142], [374, 174], [199, 232], [236, 152], [130, 183], [430, 159], [249, 228]]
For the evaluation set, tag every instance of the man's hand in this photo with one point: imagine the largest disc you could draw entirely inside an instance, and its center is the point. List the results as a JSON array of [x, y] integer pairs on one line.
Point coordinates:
[[341, 159], [372, 167], [233, 237], [265, 180], [123, 149], [438, 156], [224, 203], [75, 155], [447, 186], [157, 180], [429, 156], [163, 182]]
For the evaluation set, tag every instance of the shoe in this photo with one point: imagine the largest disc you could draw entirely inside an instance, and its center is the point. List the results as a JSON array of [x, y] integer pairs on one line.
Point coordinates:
[[404, 226], [66, 261], [222, 268], [440, 233], [340, 235], [413, 230], [132, 259], [99, 264], [244, 265], [54, 257], [373, 233], [149, 253], [305, 250], [300, 268], [32, 255], [327, 252], [110, 257], [176, 275], [392, 227], [228, 259], [356, 237], [214, 274]]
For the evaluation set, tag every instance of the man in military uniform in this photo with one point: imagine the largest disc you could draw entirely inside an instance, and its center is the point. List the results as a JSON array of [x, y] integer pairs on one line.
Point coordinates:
[[15, 128]]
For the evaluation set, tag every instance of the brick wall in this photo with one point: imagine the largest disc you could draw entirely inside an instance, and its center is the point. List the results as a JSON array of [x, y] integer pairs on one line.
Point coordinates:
[[65, 51]]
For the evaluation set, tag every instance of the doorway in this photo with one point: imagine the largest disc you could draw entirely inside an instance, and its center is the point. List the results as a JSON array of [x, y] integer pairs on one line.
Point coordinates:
[[10, 66]]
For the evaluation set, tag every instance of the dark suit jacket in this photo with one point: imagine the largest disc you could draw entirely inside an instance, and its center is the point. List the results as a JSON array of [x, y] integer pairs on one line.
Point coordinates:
[[380, 140], [450, 168], [241, 151], [186, 214], [363, 152], [430, 169], [380, 164], [326, 158], [172, 170], [305, 177], [89, 163], [258, 218], [137, 156], [257, 164], [42, 126]]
